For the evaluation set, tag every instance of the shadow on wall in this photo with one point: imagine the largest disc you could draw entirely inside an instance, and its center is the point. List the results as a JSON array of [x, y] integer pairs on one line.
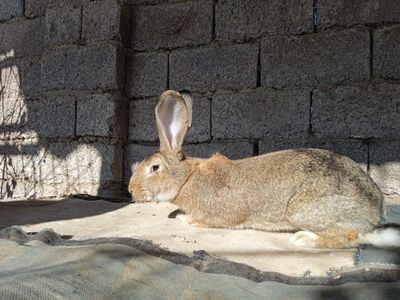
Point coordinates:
[[40, 153]]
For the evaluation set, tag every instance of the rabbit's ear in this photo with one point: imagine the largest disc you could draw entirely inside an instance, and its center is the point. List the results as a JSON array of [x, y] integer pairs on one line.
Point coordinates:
[[173, 117], [189, 105]]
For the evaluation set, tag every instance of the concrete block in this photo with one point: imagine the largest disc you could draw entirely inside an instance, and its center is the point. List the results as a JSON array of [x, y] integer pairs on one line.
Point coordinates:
[[13, 116], [200, 131], [66, 168], [347, 13], [142, 124], [364, 111], [231, 149], [22, 38], [135, 153], [101, 20], [18, 160], [50, 168], [386, 61], [96, 115], [13, 107], [264, 114], [53, 117], [147, 74], [237, 20], [86, 68], [16, 189], [385, 165], [314, 59], [209, 69], [10, 9], [37, 8], [39, 190], [355, 149], [172, 24], [30, 79], [13, 119], [138, 152], [63, 26], [20, 79], [93, 163]]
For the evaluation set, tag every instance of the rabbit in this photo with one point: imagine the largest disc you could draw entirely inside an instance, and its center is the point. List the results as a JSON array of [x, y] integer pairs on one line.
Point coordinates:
[[324, 198]]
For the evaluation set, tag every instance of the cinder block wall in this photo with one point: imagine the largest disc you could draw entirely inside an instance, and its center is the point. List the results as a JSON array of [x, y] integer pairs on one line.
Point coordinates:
[[265, 75]]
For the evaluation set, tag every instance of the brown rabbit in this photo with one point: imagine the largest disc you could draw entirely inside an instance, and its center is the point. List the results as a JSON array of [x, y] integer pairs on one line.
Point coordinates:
[[326, 198]]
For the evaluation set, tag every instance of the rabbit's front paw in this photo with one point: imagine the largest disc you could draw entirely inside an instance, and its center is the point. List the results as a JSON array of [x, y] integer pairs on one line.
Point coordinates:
[[304, 239], [184, 218], [189, 220]]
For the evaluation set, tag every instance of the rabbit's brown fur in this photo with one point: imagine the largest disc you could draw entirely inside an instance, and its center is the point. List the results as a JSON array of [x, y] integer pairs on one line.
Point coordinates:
[[326, 195]]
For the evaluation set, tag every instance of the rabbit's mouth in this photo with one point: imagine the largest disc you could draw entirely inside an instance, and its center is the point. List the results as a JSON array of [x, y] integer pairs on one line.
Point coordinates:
[[141, 195], [141, 200], [165, 197], [148, 197]]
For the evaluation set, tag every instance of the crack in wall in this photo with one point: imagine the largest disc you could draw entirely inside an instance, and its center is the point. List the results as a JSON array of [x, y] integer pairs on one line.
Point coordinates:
[[315, 17]]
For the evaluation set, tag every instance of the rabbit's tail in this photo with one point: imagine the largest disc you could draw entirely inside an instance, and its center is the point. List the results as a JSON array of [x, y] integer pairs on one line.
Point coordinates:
[[384, 237]]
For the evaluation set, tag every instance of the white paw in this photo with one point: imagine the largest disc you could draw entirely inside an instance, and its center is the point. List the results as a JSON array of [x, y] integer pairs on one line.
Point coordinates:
[[304, 239], [184, 218]]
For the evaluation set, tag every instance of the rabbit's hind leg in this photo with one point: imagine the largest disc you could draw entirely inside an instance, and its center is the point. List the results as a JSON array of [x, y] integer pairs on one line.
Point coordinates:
[[335, 237], [338, 237]]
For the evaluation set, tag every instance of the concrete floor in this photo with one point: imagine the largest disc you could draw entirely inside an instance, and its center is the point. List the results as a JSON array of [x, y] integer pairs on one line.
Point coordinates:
[[83, 219]]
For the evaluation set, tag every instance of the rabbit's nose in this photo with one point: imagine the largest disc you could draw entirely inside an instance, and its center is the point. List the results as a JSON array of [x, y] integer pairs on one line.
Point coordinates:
[[133, 198], [130, 190], [130, 186]]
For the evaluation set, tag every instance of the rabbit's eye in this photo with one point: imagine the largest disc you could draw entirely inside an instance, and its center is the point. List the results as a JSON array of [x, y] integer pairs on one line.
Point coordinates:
[[154, 168]]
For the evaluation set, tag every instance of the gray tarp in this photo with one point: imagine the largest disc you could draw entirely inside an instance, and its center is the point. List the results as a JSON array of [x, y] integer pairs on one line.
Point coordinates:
[[44, 266]]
